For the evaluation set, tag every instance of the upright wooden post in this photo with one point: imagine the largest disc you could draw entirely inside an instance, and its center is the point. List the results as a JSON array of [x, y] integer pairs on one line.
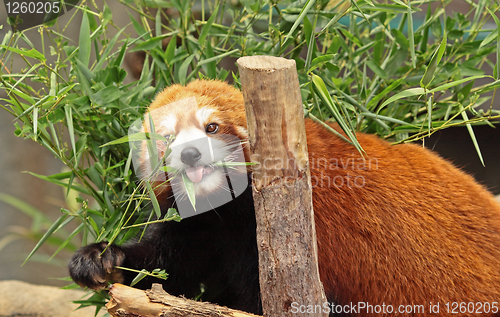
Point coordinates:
[[286, 236]]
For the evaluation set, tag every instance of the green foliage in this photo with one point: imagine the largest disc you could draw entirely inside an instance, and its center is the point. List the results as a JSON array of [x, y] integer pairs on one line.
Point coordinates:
[[377, 67]]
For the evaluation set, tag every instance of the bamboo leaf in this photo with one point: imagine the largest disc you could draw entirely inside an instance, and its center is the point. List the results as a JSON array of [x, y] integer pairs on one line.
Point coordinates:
[[384, 92], [456, 82], [301, 16], [66, 242], [411, 37], [69, 121], [84, 44], [140, 136], [47, 235], [497, 22], [78, 188], [149, 44], [404, 94], [184, 68], [207, 26], [189, 186], [431, 68], [322, 91], [154, 201], [472, 136], [170, 51], [33, 53]]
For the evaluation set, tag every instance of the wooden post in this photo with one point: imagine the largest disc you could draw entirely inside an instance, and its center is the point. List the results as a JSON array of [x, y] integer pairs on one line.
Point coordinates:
[[286, 236]]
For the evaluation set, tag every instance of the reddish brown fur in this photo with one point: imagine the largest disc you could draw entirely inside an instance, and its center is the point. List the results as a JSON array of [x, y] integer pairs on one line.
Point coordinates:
[[418, 230]]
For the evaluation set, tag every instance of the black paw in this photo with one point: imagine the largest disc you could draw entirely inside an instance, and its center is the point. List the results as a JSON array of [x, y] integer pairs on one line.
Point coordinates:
[[89, 269]]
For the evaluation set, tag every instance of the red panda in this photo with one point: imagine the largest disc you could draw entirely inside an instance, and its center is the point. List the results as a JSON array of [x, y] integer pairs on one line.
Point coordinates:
[[403, 228]]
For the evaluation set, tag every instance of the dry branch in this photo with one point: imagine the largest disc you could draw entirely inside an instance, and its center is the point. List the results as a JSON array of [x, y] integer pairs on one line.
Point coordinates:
[[131, 302]]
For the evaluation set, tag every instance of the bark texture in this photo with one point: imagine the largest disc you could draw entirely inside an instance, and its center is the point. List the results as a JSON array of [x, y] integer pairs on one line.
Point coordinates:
[[131, 302], [286, 238]]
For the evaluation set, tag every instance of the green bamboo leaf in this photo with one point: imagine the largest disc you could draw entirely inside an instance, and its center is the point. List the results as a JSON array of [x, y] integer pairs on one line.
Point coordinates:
[[170, 51], [400, 38], [47, 235], [140, 136], [309, 33], [184, 68], [320, 61], [322, 91], [85, 71], [472, 136], [455, 83], [53, 84], [60, 176], [389, 119], [121, 55], [84, 44], [301, 16], [69, 121], [217, 57], [207, 26], [411, 37], [429, 113], [95, 177], [33, 53], [404, 94], [21, 94], [384, 92], [488, 39], [401, 3], [436, 58], [35, 123], [497, 22], [212, 66], [149, 44], [110, 46], [78, 188], [393, 8], [32, 69], [66, 242], [158, 28], [376, 69], [189, 185], [154, 201], [139, 28], [127, 166], [141, 275], [425, 37]]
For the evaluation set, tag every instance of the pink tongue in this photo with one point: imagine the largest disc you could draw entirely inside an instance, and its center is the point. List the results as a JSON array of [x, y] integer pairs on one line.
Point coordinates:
[[195, 174]]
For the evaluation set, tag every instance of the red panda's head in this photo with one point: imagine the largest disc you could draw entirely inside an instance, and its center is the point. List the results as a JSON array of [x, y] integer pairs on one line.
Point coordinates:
[[207, 120]]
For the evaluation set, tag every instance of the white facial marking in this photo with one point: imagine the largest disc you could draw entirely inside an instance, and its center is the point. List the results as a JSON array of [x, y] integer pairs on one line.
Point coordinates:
[[203, 115], [169, 122]]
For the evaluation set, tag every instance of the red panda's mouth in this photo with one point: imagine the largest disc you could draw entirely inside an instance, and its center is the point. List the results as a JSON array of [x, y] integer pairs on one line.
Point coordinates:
[[195, 173]]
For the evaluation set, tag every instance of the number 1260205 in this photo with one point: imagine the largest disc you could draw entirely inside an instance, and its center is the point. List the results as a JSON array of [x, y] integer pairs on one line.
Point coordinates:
[[472, 308], [15, 7]]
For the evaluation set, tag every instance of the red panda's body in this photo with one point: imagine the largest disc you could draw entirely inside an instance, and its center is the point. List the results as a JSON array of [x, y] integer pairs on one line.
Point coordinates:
[[403, 227]]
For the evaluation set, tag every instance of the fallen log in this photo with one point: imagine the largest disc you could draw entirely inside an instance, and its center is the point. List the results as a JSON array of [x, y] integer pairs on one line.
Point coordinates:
[[131, 302]]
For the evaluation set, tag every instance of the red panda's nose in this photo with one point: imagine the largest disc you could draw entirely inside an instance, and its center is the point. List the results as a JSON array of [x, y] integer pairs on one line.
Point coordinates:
[[190, 156]]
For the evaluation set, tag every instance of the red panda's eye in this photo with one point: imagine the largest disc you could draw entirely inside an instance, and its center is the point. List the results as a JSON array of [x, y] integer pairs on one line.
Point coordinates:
[[212, 128]]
